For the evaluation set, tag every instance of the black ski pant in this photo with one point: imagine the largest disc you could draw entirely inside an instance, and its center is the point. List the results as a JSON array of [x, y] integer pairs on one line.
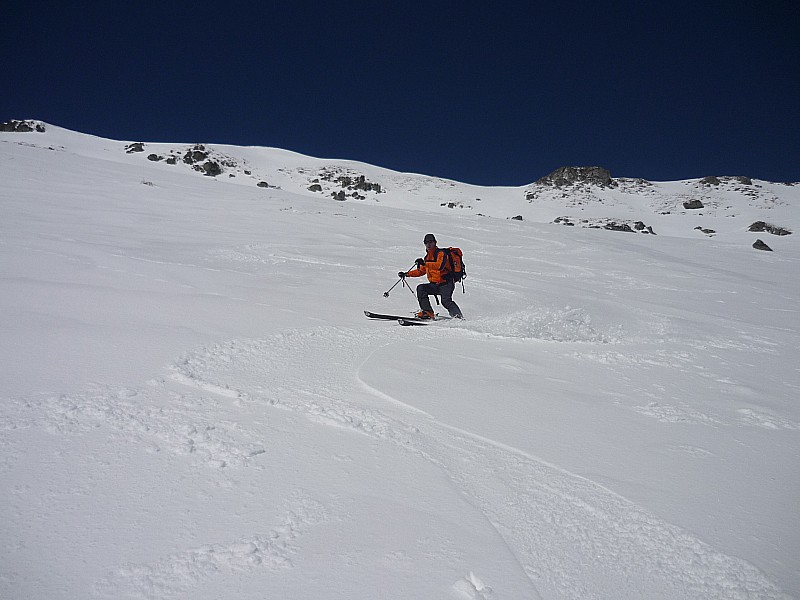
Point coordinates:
[[445, 290]]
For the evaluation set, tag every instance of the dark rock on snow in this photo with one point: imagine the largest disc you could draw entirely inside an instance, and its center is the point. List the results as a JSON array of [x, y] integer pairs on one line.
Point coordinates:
[[759, 226], [134, 147], [706, 231], [759, 245], [211, 168]]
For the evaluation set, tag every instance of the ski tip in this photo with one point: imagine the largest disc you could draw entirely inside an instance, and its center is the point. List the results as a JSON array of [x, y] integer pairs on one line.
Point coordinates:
[[408, 322]]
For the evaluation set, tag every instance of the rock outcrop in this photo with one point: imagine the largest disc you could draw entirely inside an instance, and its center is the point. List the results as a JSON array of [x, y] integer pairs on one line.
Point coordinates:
[[341, 184], [14, 126], [759, 226], [567, 176], [609, 224]]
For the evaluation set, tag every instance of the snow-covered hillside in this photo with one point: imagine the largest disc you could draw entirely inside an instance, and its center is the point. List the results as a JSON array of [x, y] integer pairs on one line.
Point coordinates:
[[193, 404]]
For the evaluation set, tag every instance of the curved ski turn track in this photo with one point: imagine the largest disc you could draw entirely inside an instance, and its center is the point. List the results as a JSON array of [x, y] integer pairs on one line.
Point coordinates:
[[563, 530], [547, 533]]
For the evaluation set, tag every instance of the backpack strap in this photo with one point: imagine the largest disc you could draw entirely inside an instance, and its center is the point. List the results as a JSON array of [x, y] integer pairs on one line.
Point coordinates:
[[448, 256], [445, 255]]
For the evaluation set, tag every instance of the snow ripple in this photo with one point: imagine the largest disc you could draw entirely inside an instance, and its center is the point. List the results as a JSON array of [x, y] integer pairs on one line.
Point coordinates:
[[154, 417], [176, 575]]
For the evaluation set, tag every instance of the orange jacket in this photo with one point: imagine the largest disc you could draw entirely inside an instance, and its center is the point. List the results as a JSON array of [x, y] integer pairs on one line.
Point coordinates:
[[435, 266]]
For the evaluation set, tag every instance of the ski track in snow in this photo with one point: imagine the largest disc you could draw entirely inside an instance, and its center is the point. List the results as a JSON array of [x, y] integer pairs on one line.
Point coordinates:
[[571, 536], [565, 531]]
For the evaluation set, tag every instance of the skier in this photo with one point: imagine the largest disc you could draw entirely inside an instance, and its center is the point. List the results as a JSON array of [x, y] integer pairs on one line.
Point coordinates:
[[436, 267]]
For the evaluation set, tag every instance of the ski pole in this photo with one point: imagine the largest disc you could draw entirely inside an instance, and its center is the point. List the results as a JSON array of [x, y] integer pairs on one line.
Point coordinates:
[[386, 293], [403, 279]]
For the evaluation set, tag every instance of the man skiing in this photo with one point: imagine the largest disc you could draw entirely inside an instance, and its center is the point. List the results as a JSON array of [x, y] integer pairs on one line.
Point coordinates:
[[436, 266]]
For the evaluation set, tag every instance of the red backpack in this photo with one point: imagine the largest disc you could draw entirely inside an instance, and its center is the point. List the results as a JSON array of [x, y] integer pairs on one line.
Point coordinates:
[[455, 262]]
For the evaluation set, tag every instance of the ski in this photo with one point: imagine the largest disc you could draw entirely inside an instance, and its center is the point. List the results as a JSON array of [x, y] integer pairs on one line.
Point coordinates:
[[372, 315], [437, 321], [407, 322], [404, 320]]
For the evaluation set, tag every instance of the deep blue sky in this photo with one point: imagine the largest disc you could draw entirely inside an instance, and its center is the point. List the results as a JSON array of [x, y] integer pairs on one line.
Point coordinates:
[[481, 92]]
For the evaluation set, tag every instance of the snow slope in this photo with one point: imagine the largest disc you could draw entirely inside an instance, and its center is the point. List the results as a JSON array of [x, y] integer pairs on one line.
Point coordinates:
[[193, 404]]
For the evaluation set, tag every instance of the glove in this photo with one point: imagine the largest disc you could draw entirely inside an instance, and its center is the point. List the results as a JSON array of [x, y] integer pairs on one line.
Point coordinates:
[[401, 275], [419, 262]]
